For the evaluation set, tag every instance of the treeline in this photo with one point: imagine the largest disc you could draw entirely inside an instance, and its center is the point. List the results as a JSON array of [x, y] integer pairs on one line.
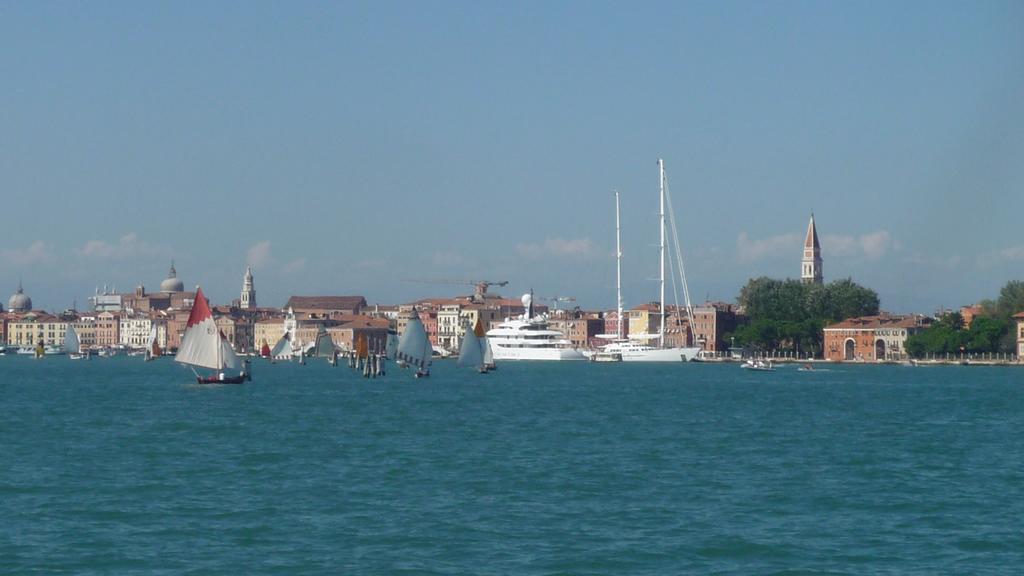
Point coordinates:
[[991, 331], [790, 315]]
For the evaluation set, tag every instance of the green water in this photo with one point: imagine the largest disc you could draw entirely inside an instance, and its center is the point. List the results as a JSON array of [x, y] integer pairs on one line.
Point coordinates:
[[115, 466]]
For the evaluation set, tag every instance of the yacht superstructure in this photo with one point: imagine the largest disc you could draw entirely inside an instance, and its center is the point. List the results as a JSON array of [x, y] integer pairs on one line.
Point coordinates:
[[529, 338]]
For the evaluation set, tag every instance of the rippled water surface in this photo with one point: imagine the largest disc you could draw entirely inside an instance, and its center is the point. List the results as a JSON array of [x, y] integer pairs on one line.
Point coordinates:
[[114, 466]]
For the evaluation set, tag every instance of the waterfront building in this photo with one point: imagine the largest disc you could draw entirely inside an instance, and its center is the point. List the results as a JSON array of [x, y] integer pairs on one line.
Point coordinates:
[[810, 272], [134, 330], [34, 327], [248, 299], [581, 330], [645, 319], [611, 323], [871, 338], [969, 313], [238, 330], [267, 331], [453, 319], [427, 313], [87, 330], [711, 321], [349, 329], [108, 330], [326, 306], [19, 301], [1019, 317]]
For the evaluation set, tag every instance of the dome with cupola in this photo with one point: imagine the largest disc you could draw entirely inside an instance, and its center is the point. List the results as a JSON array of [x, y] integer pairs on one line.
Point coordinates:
[[172, 283], [19, 301]]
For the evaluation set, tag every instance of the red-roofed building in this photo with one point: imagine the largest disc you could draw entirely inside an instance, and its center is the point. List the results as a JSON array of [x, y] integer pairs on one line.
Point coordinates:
[[326, 306], [871, 338]]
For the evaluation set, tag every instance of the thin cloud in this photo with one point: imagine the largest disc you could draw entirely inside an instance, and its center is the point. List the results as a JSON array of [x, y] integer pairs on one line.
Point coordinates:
[[871, 246], [448, 258], [752, 250], [128, 246], [38, 252], [557, 247], [295, 266], [1010, 254], [259, 256]]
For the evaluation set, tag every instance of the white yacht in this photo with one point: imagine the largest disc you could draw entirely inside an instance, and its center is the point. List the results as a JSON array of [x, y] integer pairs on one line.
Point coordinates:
[[635, 348], [529, 338]]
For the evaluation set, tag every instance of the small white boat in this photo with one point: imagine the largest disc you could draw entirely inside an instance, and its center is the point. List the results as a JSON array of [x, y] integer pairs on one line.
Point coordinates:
[[758, 365], [603, 356]]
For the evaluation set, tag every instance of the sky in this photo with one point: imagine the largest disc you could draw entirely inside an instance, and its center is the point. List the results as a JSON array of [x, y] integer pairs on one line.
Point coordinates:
[[351, 147]]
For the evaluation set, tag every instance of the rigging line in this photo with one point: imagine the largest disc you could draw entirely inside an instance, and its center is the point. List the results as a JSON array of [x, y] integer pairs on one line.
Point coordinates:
[[679, 250]]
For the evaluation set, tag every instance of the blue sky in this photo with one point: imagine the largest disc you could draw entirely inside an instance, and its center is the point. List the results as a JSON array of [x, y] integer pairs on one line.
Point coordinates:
[[342, 148]]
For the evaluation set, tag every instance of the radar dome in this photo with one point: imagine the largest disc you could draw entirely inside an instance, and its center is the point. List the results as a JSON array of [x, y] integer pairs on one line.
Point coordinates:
[[527, 299]]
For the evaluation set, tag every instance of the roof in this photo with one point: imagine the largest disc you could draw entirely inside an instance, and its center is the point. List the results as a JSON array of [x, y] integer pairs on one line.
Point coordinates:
[[873, 322], [361, 321], [1019, 315], [811, 241], [326, 302]]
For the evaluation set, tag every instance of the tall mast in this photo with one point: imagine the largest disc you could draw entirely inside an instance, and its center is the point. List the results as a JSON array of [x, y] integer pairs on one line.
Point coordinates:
[[661, 258], [618, 269]]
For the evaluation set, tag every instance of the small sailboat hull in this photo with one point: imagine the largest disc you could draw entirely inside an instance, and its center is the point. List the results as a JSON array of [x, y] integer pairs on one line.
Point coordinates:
[[225, 380]]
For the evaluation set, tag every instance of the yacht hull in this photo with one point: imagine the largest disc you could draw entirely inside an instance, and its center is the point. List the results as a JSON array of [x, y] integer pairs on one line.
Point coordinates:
[[502, 353]]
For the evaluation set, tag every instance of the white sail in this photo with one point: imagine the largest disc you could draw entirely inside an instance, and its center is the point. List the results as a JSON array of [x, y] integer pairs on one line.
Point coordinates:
[[201, 345], [71, 344], [152, 338], [283, 348], [488, 355], [470, 354], [229, 359], [414, 346]]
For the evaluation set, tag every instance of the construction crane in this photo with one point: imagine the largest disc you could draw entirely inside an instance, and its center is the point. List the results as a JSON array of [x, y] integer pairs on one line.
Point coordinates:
[[556, 299], [479, 286]]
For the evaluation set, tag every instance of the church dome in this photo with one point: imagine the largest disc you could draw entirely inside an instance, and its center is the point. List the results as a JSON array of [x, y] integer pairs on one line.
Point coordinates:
[[19, 302], [172, 283]]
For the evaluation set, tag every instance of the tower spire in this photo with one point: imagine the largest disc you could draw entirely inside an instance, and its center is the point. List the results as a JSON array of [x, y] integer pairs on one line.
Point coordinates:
[[810, 272]]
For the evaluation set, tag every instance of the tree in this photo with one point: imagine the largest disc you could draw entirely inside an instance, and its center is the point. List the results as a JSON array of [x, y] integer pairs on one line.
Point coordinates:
[[791, 314], [1011, 299]]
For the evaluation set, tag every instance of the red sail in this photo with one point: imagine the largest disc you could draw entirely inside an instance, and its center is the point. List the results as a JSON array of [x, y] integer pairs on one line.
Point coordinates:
[[200, 310]]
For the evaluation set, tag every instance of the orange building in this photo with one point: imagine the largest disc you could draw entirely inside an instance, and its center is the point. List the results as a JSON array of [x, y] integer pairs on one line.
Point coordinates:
[[871, 338]]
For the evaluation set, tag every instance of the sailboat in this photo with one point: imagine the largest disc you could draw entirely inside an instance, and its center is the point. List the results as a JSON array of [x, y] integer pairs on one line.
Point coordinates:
[[489, 364], [283, 349], [324, 347], [471, 353], [635, 348], [72, 345], [265, 350], [152, 347], [414, 347], [204, 346]]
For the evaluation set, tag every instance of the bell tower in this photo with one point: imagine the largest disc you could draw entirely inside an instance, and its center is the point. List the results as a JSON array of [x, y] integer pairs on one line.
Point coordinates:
[[248, 301], [810, 272]]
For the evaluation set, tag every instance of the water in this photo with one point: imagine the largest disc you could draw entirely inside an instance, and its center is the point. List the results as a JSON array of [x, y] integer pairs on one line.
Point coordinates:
[[115, 466]]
